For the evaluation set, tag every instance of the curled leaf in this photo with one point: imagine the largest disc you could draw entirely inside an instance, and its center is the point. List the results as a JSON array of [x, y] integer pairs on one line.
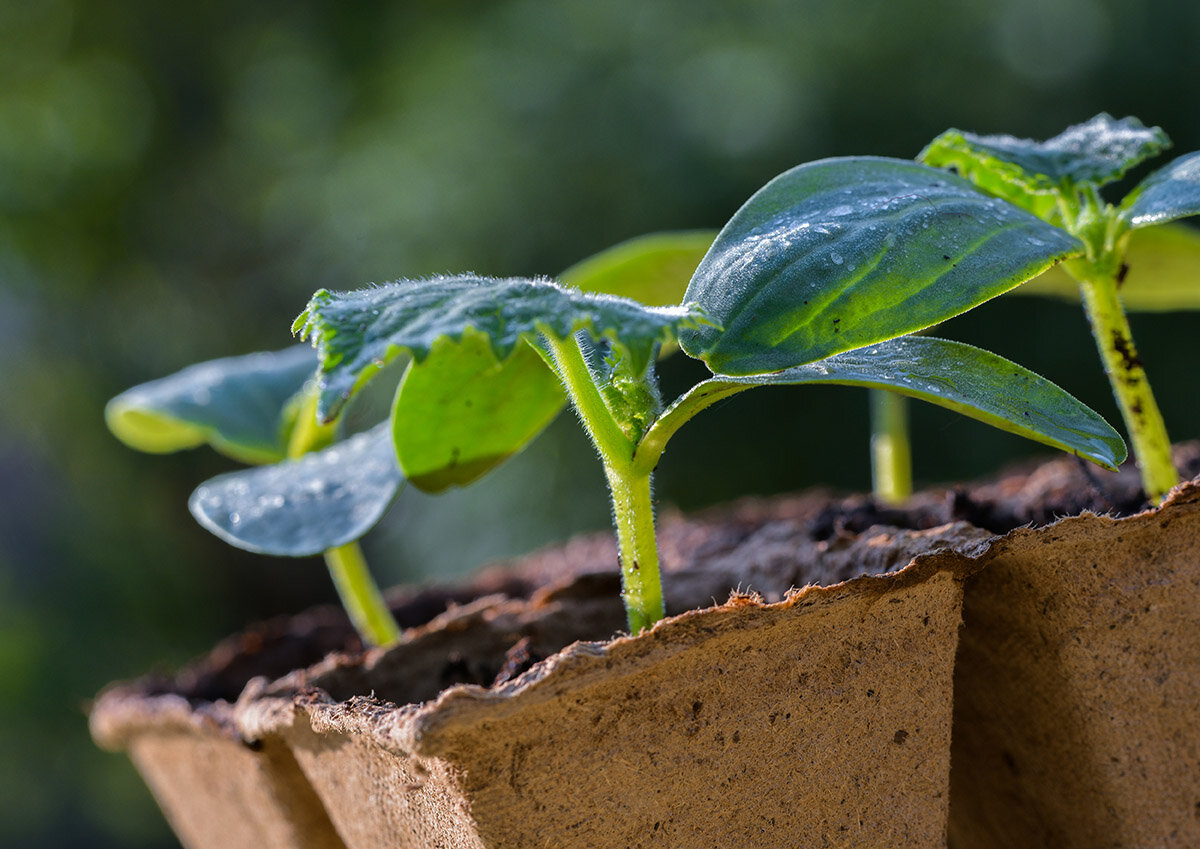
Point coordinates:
[[355, 332], [1095, 152]]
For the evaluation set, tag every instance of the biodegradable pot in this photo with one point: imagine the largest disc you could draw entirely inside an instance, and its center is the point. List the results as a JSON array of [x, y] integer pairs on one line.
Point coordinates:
[[825, 716], [1077, 714], [217, 791], [818, 717]]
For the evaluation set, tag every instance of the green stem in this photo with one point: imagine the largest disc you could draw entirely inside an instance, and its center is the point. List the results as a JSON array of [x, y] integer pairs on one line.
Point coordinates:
[[347, 566], [891, 451], [1143, 421], [633, 513], [629, 486], [360, 596]]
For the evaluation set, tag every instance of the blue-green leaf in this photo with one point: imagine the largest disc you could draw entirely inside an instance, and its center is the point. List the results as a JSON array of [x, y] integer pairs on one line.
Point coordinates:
[[842, 253], [1095, 152], [356, 332], [302, 507], [238, 405], [1167, 194], [962, 378]]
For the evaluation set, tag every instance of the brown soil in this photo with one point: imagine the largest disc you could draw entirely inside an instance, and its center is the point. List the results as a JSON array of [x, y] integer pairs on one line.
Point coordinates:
[[760, 546]]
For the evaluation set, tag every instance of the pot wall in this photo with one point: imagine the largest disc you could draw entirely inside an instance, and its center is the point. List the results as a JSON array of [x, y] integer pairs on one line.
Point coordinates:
[[1076, 721]]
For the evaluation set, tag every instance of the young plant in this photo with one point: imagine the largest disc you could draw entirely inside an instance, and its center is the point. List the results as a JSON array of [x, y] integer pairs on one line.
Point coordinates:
[[1059, 180], [311, 493], [812, 281], [259, 409], [1162, 265]]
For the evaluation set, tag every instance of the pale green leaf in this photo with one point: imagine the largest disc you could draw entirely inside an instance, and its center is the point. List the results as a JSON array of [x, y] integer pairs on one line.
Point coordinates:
[[1163, 272], [461, 412], [652, 269]]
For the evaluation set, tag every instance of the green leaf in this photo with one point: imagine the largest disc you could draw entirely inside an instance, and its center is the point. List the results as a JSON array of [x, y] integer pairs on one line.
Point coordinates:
[[1167, 194], [1163, 272], [302, 507], [356, 332], [652, 269], [460, 413], [959, 377], [842, 253], [1095, 152], [238, 405]]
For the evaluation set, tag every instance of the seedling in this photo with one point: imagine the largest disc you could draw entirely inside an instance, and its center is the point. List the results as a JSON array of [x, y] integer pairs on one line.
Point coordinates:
[[313, 493], [1059, 180], [812, 281], [259, 409]]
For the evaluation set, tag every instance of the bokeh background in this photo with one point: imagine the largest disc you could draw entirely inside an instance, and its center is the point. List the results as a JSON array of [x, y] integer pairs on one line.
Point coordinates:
[[177, 178]]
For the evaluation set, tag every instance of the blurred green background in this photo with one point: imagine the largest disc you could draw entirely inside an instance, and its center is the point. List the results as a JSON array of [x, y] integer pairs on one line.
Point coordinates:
[[176, 179]]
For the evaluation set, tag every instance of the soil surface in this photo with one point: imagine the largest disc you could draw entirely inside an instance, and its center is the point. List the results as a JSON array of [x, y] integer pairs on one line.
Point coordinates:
[[764, 547]]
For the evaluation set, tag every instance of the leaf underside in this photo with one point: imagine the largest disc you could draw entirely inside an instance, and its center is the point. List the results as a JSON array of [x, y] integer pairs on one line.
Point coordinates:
[[962, 378], [460, 413], [355, 332], [235, 404], [1095, 152], [1169, 193], [302, 507], [842, 253], [1163, 272]]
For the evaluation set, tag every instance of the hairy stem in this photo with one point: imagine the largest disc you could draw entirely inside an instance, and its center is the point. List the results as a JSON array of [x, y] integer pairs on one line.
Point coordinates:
[[360, 596], [1143, 421], [891, 452], [629, 487], [633, 513]]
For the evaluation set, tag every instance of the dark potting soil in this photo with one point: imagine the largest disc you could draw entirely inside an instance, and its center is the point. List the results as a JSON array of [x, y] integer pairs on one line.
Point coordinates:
[[764, 547]]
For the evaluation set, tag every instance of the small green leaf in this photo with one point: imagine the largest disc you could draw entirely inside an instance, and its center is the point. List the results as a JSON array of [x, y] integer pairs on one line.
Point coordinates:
[[1095, 152], [842, 253], [962, 378], [652, 269], [356, 332], [460, 413], [1163, 272], [302, 507], [238, 405], [1167, 194]]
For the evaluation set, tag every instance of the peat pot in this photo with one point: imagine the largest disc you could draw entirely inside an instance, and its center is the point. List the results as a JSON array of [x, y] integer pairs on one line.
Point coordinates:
[[512, 713]]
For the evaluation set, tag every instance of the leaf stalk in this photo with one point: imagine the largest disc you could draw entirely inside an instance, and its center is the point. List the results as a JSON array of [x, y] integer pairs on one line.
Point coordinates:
[[360, 595]]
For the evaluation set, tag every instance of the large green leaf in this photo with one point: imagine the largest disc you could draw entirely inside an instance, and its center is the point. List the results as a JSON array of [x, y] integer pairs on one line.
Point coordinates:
[[461, 412], [1167, 194], [1163, 272], [356, 332], [238, 405], [302, 507], [842, 253], [959, 377], [652, 269], [1095, 152]]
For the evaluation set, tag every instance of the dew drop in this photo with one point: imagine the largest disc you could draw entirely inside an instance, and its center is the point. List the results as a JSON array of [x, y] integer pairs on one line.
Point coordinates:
[[836, 257]]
